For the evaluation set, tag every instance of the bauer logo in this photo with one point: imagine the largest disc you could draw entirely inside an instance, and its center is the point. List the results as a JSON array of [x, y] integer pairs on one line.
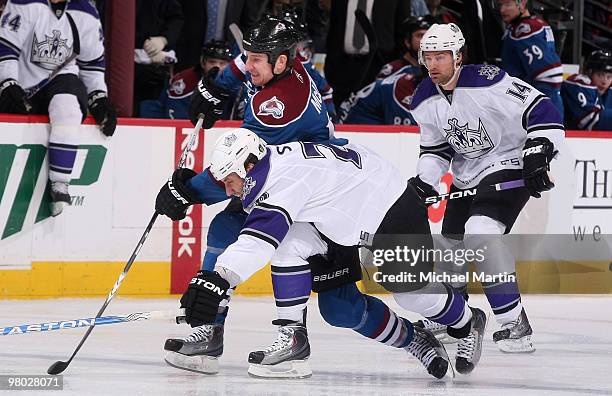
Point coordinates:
[[23, 183]]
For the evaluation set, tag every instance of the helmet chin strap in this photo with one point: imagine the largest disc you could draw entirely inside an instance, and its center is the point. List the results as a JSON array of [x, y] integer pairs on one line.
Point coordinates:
[[454, 78]]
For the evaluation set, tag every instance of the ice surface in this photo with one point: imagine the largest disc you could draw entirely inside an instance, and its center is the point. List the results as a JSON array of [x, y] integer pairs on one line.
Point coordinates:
[[572, 334]]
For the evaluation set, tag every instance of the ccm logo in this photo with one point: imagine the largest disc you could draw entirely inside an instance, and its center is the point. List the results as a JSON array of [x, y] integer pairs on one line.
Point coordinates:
[[207, 95], [208, 285], [337, 274], [533, 150]]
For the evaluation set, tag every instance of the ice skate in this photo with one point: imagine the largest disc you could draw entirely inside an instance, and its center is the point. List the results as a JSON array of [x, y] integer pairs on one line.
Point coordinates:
[[59, 197], [469, 348], [438, 330], [287, 357], [515, 337], [425, 347], [199, 351]]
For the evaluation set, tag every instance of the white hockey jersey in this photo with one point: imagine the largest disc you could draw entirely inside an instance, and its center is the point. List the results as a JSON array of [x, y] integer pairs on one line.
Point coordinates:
[[344, 191], [485, 127], [33, 42]]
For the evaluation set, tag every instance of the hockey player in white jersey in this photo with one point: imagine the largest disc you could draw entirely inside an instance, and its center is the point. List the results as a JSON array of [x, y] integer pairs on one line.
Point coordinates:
[[38, 38], [488, 127], [313, 203]]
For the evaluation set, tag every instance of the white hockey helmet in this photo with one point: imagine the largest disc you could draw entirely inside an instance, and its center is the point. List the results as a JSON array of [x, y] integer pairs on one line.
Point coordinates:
[[442, 37], [232, 150]]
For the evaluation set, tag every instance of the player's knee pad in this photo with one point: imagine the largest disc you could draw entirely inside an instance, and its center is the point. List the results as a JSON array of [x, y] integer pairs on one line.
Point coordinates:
[[483, 235], [222, 232], [343, 306], [64, 109]]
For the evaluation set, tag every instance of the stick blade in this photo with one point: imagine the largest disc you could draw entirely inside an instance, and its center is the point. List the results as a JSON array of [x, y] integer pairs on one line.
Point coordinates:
[[57, 368]]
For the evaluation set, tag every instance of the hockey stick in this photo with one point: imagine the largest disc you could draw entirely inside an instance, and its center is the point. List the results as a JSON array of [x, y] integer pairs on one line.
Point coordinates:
[[472, 191], [237, 34], [368, 30], [175, 316], [59, 366]]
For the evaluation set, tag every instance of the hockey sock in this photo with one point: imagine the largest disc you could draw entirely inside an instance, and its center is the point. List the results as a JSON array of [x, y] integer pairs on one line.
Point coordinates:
[[292, 286], [65, 118], [504, 299], [347, 307]]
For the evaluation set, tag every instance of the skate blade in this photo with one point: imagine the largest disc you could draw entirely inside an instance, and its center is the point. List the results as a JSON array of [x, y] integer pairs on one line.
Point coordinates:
[[521, 345], [292, 369], [198, 364]]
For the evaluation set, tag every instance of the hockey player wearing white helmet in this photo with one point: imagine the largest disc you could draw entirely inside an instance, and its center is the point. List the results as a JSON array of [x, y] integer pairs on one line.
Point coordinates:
[[487, 127]]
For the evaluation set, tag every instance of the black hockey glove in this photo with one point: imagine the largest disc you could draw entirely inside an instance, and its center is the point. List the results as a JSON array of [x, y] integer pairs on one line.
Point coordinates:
[[103, 112], [537, 154], [202, 298], [13, 98], [423, 189], [174, 197], [208, 100]]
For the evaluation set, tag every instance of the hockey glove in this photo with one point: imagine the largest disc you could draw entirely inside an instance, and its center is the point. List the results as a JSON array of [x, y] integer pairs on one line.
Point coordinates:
[[208, 100], [103, 112], [13, 98], [204, 294], [174, 197], [537, 154], [424, 190]]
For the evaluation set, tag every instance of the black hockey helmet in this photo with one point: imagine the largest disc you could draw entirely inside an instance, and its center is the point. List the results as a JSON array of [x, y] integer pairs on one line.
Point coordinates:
[[599, 60], [217, 49], [412, 24], [292, 16], [273, 36]]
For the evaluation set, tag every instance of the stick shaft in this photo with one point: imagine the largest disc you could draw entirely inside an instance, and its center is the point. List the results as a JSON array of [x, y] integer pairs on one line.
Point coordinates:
[[472, 191]]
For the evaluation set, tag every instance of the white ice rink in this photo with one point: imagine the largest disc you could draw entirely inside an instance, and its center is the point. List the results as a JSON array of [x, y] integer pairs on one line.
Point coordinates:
[[573, 337]]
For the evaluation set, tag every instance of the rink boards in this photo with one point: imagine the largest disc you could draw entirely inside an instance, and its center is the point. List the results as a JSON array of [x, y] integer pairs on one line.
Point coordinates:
[[115, 181]]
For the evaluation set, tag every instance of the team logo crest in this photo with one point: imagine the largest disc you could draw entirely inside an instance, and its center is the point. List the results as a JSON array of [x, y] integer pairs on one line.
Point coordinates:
[[471, 143], [178, 87], [229, 140], [272, 107], [249, 183], [50, 52], [522, 28], [489, 71], [386, 70]]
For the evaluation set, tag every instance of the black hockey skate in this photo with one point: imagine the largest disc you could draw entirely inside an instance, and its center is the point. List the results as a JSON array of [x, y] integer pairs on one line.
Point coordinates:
[[59, 197], [515, 337], [199, 351], [469, 348], [287, 357], [429, 351], [438, 330]]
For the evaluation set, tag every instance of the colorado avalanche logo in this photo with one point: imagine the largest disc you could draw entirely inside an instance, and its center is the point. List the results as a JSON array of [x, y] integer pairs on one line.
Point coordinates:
[[471, 143], [178, 87], [272, 107], [249, 183], [386, 70], [522, 28]]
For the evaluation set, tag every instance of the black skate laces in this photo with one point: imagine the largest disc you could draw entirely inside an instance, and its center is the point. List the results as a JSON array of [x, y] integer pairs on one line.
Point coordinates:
[[200, 333]]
